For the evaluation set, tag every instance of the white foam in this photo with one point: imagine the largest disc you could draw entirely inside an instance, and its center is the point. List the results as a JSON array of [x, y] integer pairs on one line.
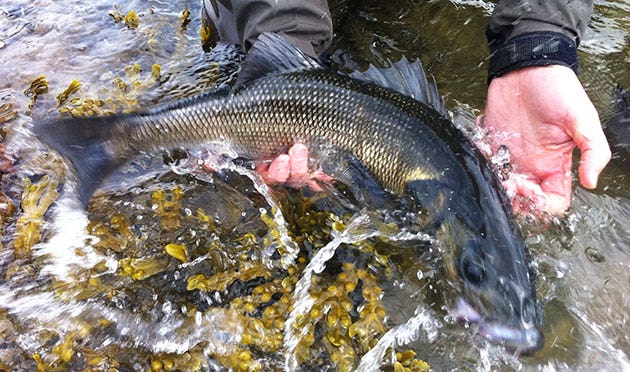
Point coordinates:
[[398, 336], [70, 246]]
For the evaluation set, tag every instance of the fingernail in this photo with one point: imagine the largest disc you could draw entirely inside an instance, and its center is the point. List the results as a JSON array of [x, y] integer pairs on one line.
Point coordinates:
[[298, 151]]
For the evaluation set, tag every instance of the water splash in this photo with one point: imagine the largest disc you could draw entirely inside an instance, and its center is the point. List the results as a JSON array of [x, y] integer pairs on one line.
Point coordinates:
[[220, 156], [216, 327], [70, 247], [291, 248], [303, 302], [400, 335], [488, 7], [361, 226], [603, 342]]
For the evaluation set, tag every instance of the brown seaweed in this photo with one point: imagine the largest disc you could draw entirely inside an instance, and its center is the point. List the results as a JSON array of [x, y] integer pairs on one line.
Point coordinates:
[[36, 200]]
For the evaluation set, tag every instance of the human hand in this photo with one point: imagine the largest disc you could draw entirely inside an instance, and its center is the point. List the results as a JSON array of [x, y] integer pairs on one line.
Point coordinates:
[[541, 113], [292, 169]]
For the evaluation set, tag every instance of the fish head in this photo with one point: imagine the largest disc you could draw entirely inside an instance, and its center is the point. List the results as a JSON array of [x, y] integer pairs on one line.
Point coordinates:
[[497, 285], [486, 257]]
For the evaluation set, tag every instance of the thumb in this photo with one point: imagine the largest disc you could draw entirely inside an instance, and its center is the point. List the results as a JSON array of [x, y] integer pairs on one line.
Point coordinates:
[[590, 139]]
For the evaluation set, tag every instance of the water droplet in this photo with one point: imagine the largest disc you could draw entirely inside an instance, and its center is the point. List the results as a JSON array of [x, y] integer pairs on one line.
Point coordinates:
[[167, 307]]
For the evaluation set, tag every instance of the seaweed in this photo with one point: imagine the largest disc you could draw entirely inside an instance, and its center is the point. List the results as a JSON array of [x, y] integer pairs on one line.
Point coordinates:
[[37, 87], [122, 96], [220, 272], [185, 18], [71, 89], [130, 19], [36, 200], [6, 112], [167, 252], [167, 208], [406, 362], [142, 268], [178, 251]]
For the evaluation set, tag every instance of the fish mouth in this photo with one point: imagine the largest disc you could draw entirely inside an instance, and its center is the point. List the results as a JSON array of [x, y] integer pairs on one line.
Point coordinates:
[[521, 341]]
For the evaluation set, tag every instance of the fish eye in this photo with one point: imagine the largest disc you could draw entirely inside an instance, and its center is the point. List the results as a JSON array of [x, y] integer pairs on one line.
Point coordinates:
[[473, 272], [471, 268]]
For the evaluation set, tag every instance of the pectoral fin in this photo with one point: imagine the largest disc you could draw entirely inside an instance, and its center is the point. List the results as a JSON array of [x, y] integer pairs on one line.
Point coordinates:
[[366, 189]]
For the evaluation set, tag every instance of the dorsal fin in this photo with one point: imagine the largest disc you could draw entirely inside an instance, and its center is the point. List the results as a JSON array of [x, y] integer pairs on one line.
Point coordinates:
[[405, 78], [273, 53]]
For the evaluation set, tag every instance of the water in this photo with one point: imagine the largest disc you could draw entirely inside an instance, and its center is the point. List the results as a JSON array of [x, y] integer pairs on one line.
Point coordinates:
[[101, 290]]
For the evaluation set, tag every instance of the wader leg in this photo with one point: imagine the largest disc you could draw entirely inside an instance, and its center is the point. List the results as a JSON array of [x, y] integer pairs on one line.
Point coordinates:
[[306, 24]]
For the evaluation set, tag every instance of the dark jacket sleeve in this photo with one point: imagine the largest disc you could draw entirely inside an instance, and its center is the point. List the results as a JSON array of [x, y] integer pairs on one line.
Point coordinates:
[[536, 33]]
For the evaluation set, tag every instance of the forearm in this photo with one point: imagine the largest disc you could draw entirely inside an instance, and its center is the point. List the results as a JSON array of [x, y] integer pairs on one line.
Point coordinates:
[[524, 33]]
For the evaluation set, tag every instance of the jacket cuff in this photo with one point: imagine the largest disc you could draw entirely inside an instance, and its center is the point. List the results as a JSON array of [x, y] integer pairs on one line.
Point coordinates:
[[532, 49]]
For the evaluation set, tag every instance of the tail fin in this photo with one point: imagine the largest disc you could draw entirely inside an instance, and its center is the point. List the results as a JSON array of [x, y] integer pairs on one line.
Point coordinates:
[[93, 146]]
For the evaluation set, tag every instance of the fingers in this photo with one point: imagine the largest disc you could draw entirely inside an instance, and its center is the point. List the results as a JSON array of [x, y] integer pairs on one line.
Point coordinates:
[[557, 191], [552, 195], [595, 154], [278, 171], [590, 139], [292, 169], [525, 194], [298, 155]]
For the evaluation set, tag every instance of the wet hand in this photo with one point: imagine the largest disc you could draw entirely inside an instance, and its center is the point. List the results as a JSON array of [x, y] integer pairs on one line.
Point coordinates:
[[292, 169], [542, 114]]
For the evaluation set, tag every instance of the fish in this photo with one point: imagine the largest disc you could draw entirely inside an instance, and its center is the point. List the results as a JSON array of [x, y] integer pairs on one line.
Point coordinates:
[[617, 127], [391, 120]]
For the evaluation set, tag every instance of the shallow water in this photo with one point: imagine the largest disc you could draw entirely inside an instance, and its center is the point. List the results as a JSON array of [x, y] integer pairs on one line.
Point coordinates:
[[103, 291]]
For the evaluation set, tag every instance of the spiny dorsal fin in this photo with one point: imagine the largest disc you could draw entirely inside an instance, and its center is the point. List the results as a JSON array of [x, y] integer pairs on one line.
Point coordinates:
[[406, 78], [273, 53]]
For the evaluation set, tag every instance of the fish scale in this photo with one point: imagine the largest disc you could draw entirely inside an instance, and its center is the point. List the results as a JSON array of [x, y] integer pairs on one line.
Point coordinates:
[[310, 112]]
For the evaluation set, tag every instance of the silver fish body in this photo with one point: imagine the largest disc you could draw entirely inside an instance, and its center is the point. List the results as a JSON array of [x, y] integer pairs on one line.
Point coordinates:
[[309, 107], [410, 147]]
